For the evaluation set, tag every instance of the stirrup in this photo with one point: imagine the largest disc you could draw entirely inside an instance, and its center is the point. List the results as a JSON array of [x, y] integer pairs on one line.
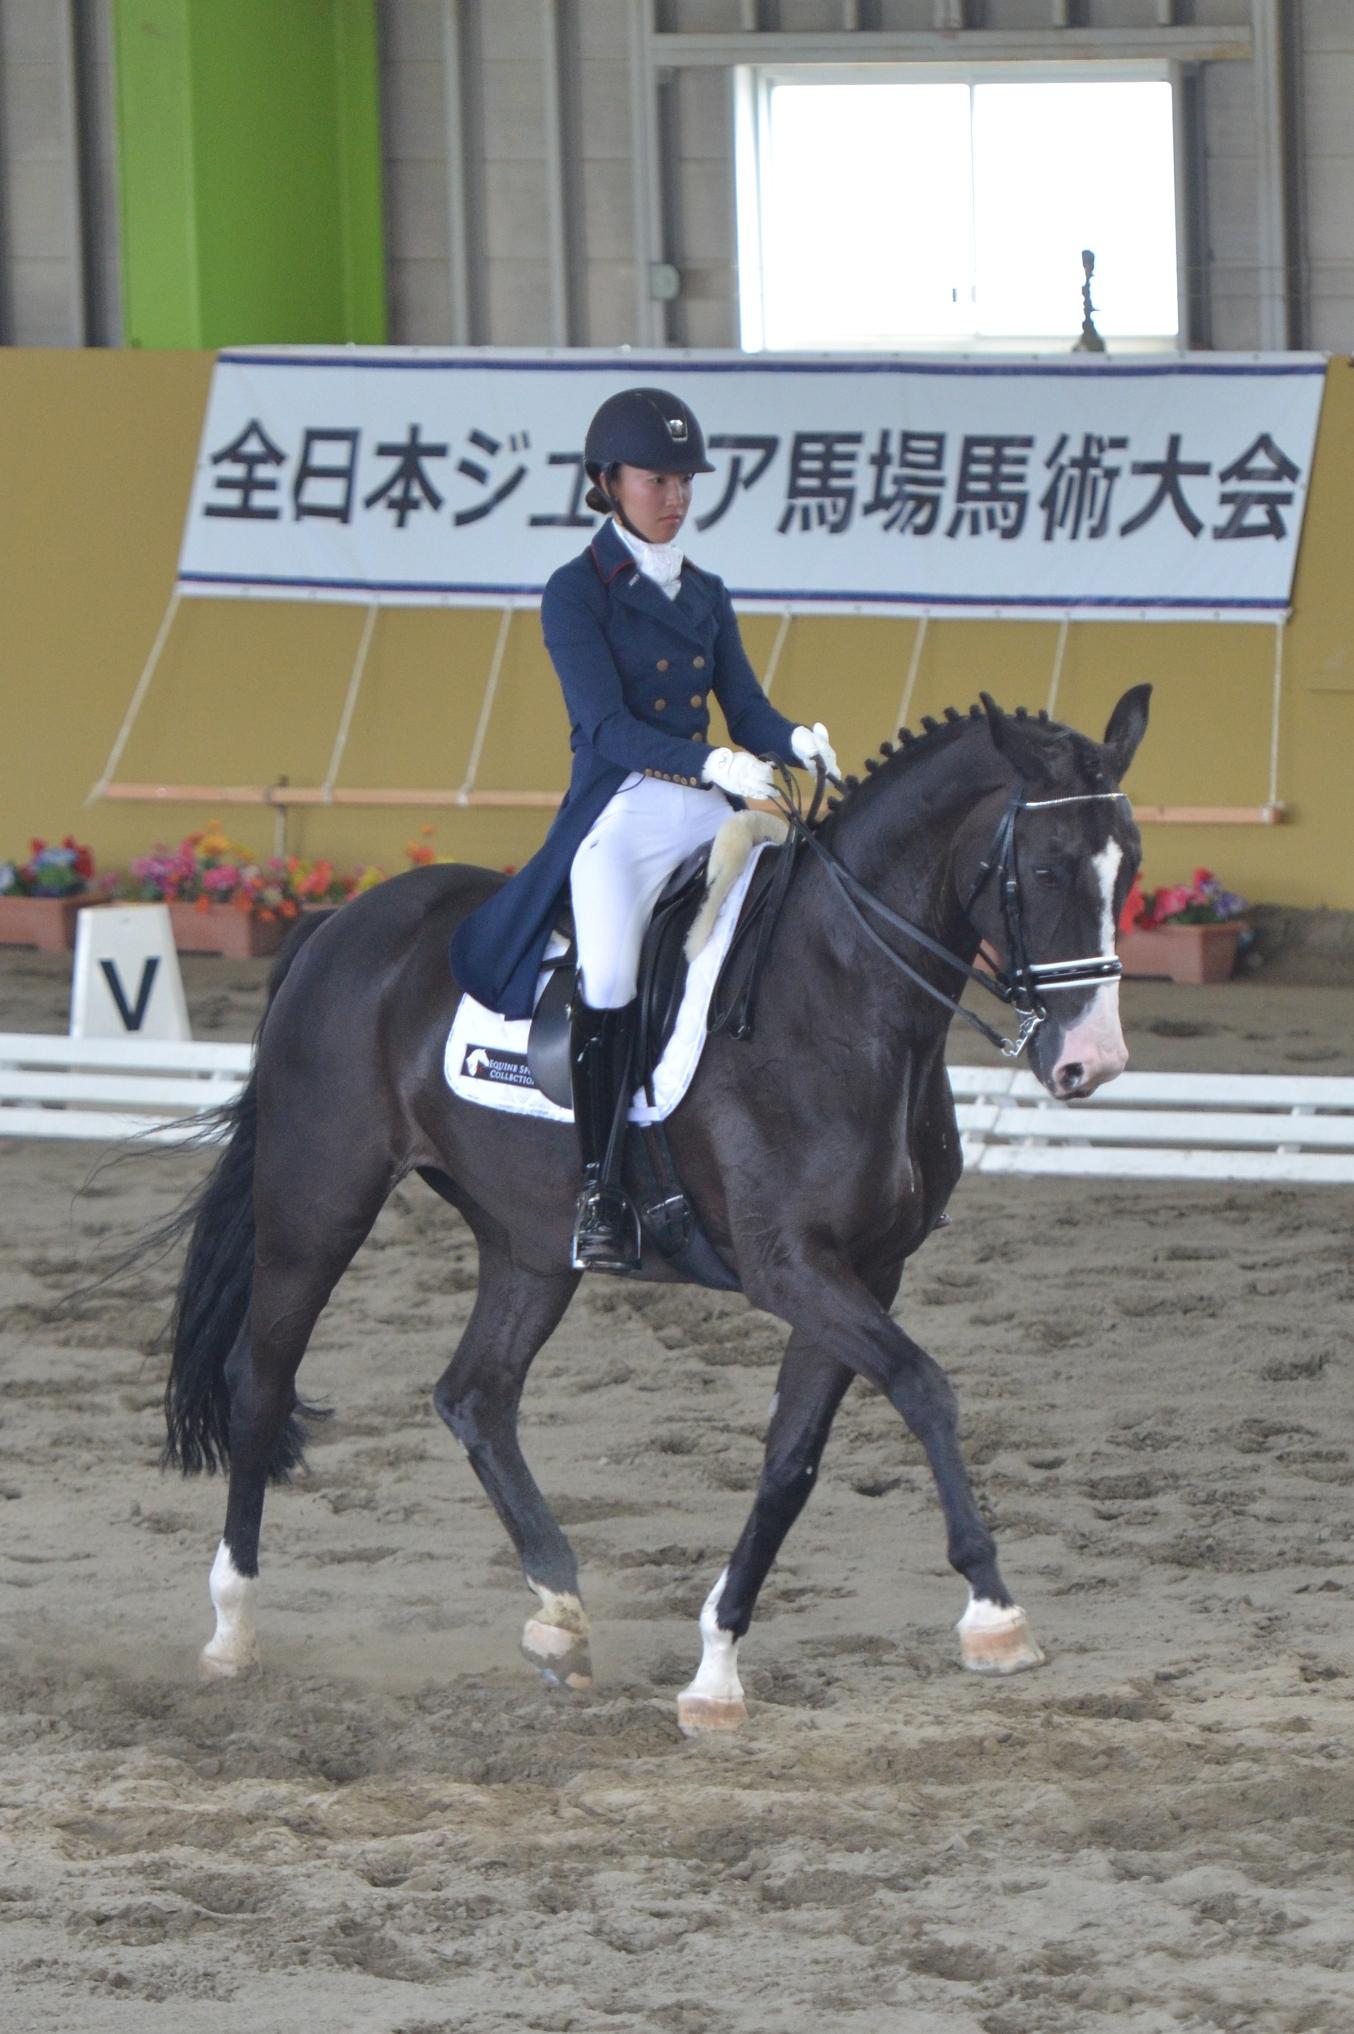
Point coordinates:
[[607, 1234]]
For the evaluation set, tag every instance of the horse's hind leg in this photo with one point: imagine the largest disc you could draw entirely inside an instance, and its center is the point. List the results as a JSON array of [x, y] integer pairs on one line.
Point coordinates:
[[304, 1243], [478, 1395], [809, 1390]]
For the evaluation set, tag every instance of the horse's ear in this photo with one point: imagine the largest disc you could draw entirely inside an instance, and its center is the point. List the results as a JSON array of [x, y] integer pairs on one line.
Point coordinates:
[[1128, 725], [1015, 739]]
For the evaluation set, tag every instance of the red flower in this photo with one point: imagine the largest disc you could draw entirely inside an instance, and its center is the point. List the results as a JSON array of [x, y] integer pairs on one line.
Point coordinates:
[[1137, 910], [203, 903]]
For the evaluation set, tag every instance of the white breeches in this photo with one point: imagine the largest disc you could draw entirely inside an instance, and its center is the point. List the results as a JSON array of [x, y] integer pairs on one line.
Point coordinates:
[[638, 840]]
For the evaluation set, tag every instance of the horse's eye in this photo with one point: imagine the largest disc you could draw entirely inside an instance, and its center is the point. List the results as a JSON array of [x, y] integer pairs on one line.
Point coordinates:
[[1048, 878]]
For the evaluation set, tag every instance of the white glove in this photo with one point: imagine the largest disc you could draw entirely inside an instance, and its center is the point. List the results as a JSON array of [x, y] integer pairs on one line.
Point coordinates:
[[811, 745], [741, 775]]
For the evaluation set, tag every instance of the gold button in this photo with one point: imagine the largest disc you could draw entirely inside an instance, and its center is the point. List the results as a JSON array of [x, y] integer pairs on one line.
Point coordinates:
[[698, 663], [659, 704], [662, 664], [698, 699], [695, 737]]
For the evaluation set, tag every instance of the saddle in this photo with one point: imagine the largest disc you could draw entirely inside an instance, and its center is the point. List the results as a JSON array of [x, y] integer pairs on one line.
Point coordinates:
[[666, 1213], [662, 979]]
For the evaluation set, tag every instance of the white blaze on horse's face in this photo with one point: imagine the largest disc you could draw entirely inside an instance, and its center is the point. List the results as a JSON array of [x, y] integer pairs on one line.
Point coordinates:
[[1092, 1050]]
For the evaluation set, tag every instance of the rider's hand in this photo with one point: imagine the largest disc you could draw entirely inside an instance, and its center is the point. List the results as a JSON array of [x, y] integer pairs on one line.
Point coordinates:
[[811, 745], [741, 775]]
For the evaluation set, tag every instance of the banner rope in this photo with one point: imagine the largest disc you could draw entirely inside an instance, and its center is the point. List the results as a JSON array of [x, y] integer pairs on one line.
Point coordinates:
[[1059, 652], [774, 661], [98, 789], [349, 706], [913, 667], [486, 708], [1276, 702]]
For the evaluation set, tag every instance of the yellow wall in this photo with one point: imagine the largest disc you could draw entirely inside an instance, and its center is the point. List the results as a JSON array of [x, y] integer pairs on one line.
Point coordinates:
[[97, 452]]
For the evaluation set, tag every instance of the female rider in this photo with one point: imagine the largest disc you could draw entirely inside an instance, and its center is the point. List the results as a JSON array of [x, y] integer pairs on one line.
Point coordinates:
[[640, 637]]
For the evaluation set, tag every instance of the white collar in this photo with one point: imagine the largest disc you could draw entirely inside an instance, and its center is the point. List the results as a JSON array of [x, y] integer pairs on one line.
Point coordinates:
[[660, 562]]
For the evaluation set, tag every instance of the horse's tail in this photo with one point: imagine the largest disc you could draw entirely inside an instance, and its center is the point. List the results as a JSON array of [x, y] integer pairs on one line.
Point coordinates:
[[212, 1303]]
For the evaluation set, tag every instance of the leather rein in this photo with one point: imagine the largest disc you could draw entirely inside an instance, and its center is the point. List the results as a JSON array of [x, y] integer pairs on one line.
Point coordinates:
[[1022, 984]]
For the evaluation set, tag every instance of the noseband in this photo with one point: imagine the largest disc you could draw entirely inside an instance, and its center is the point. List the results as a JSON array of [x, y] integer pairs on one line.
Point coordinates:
[[1022, 983]]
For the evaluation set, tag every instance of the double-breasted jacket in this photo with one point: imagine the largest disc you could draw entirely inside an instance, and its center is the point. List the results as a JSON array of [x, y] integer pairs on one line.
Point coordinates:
[[637, 670]]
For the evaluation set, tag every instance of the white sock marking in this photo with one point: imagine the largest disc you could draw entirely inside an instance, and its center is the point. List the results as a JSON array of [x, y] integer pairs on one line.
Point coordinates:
[[233, 1644], [717, 1674], [984, 1615], [561, 1611]]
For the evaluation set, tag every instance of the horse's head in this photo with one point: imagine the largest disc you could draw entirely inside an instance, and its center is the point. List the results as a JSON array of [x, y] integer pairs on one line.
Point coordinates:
[[1071, 850]]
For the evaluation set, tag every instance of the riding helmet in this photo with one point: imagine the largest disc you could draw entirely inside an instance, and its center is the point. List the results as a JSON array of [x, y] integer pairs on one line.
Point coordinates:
[[646, 427]]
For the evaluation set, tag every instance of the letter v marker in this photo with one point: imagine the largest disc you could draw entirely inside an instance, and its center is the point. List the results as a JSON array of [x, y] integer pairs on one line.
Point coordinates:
[[132, 1017]]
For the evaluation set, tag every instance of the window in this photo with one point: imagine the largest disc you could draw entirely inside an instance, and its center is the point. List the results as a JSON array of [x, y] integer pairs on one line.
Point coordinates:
[[888, 209]]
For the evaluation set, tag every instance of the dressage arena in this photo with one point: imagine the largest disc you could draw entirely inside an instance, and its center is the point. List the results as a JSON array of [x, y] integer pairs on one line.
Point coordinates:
[[393, 1827], [999, 355]]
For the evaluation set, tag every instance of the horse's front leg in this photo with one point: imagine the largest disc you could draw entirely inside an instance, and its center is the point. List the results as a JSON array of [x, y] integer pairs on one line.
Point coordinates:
[[833, 1311], [809, 1390]]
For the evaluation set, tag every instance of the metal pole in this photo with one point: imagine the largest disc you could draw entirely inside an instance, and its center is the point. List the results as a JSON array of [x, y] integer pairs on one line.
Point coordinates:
[[650, 323], [1271, 176], [458, 210], [556, 226], [73, 181]]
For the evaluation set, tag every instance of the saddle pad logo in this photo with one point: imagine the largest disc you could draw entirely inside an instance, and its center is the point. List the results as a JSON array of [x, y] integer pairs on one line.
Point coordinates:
[[508, 1069]]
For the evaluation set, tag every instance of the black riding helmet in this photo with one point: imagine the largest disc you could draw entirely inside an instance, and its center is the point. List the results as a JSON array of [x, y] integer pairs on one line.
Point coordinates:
[[647, 427]]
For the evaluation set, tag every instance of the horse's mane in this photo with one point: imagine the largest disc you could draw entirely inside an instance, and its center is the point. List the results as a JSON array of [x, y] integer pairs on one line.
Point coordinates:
[[1066, 746]]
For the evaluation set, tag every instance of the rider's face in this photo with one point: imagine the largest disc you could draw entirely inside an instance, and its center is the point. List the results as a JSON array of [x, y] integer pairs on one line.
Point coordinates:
[[656, 503]]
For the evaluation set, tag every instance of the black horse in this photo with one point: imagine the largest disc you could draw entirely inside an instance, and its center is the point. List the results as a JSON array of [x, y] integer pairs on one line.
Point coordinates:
[[820, 1155]]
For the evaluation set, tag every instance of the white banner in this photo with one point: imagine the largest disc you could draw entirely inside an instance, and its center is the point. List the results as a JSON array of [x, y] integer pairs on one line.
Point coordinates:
[[1144, 489]]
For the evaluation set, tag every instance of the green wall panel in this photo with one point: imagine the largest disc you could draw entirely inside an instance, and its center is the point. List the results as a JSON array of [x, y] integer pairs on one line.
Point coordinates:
[[249, 145]]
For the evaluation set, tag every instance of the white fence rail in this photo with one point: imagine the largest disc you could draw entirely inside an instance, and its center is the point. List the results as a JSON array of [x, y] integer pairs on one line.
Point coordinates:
[[1292, 1128], [106, 1089]]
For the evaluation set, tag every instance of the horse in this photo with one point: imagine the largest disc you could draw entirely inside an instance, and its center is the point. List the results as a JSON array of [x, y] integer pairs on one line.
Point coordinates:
[[820, 1153]]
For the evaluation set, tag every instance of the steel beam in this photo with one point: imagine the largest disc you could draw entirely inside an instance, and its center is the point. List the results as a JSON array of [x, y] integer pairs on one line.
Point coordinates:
[[971, 45]]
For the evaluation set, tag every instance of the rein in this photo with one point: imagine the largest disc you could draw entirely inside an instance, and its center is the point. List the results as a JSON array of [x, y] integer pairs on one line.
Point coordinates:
[[1022, 983]]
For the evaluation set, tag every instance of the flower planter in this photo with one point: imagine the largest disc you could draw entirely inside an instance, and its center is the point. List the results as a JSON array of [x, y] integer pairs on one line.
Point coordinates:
[[1184, 953], [48, 923], [240, 935]]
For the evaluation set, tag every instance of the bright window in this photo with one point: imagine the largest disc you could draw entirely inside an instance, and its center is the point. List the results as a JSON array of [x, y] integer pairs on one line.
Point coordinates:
[[886, 211]]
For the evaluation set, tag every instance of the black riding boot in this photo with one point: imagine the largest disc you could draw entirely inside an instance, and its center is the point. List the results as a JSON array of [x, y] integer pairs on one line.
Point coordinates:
[[606, 1230]]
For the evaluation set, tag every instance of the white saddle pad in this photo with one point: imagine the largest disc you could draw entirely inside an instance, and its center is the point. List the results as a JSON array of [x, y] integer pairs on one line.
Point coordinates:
[[486, 1057]]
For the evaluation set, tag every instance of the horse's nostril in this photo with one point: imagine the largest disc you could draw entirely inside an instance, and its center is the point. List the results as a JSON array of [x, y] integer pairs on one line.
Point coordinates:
[[1071, 1076]]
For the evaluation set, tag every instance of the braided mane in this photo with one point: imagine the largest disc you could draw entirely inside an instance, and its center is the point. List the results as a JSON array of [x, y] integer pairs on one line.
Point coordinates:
[[894, 759]]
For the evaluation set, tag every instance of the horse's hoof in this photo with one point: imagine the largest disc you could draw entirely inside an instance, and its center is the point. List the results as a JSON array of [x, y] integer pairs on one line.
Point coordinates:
[[1005, 1647], [697, 1714], [227, 1666], [560, 1656]]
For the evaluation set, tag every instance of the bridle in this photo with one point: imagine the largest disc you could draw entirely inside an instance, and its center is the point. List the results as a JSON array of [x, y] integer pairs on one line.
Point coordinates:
[[1022, 983]]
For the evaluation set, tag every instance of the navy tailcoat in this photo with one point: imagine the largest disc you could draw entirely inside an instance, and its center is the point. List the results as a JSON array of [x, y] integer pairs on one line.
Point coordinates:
[[637, 670]]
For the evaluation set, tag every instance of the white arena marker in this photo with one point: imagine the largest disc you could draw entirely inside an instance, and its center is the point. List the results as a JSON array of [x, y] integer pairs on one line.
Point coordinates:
[[126, 981]]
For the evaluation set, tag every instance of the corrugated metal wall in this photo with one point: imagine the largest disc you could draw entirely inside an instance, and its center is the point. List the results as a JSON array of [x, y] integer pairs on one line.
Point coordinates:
[[58, 177], [531, 178]]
